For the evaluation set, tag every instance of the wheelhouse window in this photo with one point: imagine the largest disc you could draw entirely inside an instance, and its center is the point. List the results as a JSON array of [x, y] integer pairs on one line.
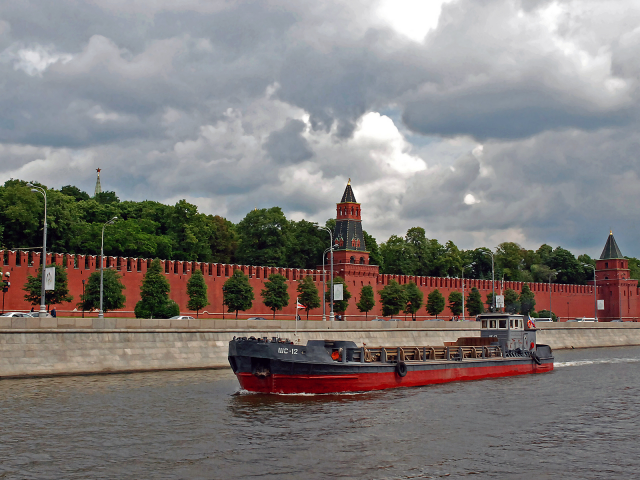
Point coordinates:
[[484, 324], [502, 323]]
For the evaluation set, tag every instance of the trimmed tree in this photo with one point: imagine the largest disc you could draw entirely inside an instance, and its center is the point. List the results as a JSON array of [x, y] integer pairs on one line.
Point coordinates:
[[197, 291], [527, 300], [308, 294], [474, 302], [275, 295], [455, 303], [112, 296], [414, 299], [393, 298], [154, 295], [435, 303], [367, 300], [339, 305], [547, 314], [238, 294], [59, 294], [511, 302], [489, 301]]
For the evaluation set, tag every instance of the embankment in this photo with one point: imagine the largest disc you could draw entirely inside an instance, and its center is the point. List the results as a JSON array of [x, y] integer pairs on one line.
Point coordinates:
[[33, 347]]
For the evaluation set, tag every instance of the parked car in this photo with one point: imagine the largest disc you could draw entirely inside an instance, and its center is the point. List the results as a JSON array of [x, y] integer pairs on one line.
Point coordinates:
[[15, 314], [583, 319], [542, 319], [617, 320], [37, 314], [379, 320], [256, 318], [182, 317]]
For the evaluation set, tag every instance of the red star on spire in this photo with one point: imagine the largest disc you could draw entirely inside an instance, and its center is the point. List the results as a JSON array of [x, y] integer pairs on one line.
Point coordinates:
[[98, 170]]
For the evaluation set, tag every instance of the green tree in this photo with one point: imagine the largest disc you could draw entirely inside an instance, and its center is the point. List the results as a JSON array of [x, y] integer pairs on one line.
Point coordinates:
[[414, 299], [547, 314], [393, 298], [107, 197], [58, 295], [375, 258], [264, 237], [435, 303], [339, 305], [398, 256], [474, 302], [197, 291], [367, 300], [308, 294], [455, 303], [569, 269], [74, 192], [511, 301], [275, 295], [238, 294], [527, 300], [112, 288], [154, 295], [305, 244]]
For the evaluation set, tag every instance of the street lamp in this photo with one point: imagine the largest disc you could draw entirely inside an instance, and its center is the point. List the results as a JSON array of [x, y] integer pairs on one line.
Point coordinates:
[[43, 263], [5, 286], [83, 299], [493, 283], [466, 266], [324, 287], [110, 222], [595, 298], [331, 314], [551, 274], [223, 289]]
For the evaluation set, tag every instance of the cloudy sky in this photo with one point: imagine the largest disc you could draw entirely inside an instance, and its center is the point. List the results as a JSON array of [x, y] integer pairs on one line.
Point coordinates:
[[482, 121]]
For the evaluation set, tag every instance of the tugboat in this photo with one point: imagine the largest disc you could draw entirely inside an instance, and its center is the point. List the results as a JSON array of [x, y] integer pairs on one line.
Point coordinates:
[[506, 346]]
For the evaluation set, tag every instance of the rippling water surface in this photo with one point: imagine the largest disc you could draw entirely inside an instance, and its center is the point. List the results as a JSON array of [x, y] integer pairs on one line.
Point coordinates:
[[581, 421]]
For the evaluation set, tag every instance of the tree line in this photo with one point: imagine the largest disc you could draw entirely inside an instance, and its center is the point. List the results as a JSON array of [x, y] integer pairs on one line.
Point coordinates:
[[264, 237], [238, 295]]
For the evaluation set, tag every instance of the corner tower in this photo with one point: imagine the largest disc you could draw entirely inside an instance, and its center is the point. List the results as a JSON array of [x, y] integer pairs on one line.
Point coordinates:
[[617, 289], [350, 253]]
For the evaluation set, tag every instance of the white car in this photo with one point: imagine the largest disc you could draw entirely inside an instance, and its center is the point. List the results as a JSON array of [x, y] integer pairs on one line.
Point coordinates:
[[182, 317], [15, 314]]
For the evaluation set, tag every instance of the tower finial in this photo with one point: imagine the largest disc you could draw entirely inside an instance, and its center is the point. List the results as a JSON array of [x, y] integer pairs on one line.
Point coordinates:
[[349, 182], [98, 188]]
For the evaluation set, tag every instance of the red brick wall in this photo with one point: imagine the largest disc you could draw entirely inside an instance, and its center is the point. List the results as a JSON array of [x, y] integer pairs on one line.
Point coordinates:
[[567, 301]]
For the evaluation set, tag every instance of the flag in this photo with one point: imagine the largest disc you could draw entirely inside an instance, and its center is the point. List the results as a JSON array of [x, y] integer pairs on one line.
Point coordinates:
[[299, 305]]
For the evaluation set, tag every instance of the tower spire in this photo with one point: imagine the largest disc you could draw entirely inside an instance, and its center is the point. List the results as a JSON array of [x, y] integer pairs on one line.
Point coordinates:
[[98, 186]]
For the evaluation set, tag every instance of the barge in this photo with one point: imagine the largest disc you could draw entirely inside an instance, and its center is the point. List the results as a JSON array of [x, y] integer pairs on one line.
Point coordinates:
[[506, 346]]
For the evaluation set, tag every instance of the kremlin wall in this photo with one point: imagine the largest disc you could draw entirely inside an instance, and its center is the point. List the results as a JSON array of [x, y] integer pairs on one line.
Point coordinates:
[[351, 261]]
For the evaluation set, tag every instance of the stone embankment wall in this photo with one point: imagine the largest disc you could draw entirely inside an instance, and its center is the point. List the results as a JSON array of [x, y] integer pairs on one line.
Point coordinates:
[[116, 345]]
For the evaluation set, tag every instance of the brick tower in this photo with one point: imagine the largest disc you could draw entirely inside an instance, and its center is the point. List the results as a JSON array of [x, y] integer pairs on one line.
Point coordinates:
[[350, 254], [616, 288]]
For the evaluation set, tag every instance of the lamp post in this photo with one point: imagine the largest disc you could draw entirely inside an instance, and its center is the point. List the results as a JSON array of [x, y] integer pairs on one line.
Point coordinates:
[[110, 222], [223, 289], [551, 274], [43, 263], [466, 266], [331, 314], [5, 287], [324, 287], [493, 284], [83, 299], [595, 298]]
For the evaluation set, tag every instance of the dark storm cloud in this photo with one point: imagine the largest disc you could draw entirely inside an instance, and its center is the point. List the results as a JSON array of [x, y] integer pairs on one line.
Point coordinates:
[[287, 145], [245, 104]]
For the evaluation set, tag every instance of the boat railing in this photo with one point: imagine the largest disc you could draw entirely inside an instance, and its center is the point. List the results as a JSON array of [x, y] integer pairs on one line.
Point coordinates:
[[420, 354]]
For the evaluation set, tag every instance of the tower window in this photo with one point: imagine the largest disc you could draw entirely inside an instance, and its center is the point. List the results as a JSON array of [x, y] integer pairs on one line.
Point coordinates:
[[606, 264]]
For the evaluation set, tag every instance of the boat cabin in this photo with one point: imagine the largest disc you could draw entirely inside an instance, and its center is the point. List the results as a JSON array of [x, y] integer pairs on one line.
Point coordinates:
[[515, 333]]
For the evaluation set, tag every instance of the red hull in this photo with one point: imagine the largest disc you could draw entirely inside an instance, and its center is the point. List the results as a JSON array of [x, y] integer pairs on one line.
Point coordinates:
[[362, 382]]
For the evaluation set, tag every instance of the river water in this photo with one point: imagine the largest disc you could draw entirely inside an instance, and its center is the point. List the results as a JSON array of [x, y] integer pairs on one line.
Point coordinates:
[[580, 421]]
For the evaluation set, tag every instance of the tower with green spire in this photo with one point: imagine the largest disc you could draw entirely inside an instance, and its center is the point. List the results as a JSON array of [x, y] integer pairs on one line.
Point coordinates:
[[98, 186]]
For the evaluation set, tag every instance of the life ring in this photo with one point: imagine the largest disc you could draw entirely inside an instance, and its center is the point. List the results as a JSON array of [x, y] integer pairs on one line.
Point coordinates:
[[401, 369], [530, 324], [532, 346]]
